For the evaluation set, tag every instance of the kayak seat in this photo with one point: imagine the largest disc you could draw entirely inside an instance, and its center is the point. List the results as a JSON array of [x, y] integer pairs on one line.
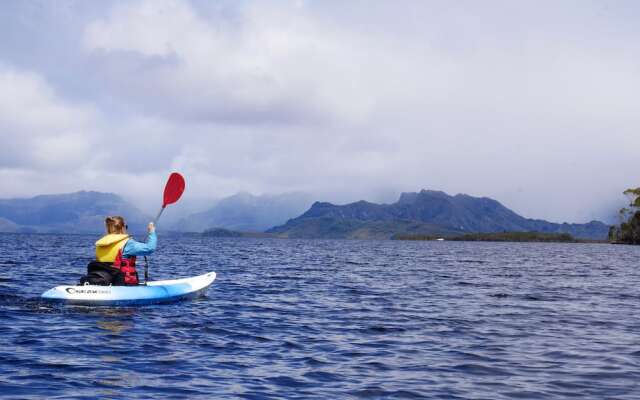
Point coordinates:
[[103, 274]]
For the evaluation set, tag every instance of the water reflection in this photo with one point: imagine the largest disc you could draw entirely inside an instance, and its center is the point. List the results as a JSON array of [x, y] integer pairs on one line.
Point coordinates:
[[115, 327]]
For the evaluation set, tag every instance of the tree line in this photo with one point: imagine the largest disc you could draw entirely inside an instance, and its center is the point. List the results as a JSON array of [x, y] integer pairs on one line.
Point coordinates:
[[628, 231]]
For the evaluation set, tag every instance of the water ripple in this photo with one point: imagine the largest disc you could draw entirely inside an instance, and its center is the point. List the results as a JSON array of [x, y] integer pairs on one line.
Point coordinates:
[[330, 319]]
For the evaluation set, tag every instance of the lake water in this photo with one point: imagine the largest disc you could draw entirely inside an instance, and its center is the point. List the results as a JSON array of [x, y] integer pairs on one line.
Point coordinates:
[[330, 320]]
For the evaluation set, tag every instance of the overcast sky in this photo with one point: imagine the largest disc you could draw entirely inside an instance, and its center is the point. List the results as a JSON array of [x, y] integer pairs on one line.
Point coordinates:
[[536, 104]]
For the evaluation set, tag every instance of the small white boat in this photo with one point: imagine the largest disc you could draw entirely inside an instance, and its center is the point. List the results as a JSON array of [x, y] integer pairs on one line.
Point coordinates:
[[149, 293]]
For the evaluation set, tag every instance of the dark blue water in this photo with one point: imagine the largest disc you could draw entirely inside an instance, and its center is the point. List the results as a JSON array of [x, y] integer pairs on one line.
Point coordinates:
[[331, 320]]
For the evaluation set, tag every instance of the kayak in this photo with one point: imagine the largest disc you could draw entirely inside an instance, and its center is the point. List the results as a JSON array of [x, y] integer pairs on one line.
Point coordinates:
[[149, 293]]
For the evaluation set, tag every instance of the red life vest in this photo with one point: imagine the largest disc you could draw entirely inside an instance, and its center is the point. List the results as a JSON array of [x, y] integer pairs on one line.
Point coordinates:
[[128, 267]]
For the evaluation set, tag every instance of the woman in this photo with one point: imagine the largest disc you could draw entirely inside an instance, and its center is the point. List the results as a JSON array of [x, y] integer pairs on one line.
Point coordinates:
[[116, 253]]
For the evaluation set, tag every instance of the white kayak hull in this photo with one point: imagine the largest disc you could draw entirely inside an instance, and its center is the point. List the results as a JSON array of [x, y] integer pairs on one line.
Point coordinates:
[[152, 292]]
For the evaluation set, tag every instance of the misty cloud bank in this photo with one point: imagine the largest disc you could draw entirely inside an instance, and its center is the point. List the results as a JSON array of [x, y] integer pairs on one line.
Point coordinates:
[[535, 104]]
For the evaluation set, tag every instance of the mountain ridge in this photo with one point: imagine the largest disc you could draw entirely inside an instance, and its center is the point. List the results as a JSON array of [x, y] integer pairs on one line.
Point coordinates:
[[439, 212]]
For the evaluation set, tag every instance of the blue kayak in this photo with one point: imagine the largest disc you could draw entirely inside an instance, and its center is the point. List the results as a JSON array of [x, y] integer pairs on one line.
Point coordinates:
[[149, 293]]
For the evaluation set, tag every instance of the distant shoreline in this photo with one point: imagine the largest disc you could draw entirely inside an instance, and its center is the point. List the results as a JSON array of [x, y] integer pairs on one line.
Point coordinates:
[[512, 237], [505, 237]]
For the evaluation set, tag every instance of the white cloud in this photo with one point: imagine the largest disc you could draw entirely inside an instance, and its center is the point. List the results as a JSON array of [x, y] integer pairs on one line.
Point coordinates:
[[273, 64], [37, 128], [535, 104]]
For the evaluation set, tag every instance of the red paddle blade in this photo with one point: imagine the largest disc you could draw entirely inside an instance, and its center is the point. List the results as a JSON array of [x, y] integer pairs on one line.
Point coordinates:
[[173, 190]]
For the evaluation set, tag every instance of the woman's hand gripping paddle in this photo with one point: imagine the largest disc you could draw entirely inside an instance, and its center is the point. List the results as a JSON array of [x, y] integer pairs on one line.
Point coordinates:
[[172, 192]]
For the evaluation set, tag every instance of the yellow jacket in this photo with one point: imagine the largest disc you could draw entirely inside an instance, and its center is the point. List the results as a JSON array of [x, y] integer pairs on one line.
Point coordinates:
[[107, 247]]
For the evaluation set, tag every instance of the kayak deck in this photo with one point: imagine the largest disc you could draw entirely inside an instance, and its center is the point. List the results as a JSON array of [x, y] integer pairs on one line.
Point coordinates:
[[149, 293]]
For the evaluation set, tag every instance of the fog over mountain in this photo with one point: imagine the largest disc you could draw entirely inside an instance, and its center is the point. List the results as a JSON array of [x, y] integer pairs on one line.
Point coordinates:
[[246, 212], [80, 212], [84, 212], [534, 103]]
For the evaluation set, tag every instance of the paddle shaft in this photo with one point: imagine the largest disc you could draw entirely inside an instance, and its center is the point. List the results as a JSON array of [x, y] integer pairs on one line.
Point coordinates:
[[146, 270], [155, 221], [146, 261]]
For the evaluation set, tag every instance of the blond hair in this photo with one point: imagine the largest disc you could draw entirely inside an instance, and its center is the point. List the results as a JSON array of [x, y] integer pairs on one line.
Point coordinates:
[[115, 225]]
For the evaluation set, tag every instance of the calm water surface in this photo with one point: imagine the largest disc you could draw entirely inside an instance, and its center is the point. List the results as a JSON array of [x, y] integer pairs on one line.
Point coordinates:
[[330, 320]]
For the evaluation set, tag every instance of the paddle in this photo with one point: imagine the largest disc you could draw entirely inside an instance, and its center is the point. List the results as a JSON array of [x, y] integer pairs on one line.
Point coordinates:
[[172, 192]]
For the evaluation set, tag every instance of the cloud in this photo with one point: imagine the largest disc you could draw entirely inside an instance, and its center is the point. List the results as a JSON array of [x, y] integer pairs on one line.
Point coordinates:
[[533, 103], [270, 65], [40, 130]]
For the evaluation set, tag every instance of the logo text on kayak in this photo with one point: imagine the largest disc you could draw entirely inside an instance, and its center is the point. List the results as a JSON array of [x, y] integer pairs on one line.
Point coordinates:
[[87, 291]]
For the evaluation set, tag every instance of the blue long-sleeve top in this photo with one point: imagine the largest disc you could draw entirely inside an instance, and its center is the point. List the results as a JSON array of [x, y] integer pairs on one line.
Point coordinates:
[[134, 248]]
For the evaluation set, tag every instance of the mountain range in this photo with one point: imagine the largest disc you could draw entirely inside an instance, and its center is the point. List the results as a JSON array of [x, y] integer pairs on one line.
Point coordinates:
[[79, 212], [421, 213], [426, 212], [84, 212]]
